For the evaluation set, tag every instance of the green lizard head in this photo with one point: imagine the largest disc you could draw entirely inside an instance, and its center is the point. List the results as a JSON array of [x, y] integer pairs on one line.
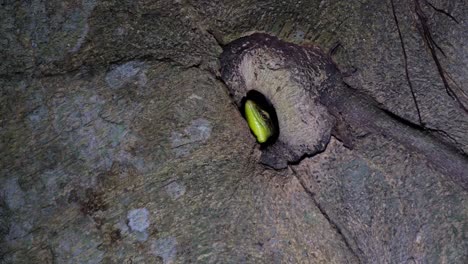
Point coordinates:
[[259, 121]]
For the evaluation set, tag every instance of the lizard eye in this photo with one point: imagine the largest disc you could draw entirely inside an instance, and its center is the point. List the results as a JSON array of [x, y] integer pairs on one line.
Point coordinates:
[[264, 114]]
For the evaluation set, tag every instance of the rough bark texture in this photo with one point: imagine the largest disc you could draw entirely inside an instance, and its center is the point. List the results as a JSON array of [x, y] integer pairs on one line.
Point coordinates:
[[120, 143]]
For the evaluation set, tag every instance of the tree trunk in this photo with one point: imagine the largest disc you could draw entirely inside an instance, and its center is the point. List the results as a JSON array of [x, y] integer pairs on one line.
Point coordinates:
[[120, 142]]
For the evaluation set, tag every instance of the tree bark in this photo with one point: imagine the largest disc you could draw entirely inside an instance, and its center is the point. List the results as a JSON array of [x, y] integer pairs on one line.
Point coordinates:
[[120, 142]]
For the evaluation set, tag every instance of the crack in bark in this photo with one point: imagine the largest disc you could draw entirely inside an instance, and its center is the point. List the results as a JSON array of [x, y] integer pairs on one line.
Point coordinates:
[[330, 221], [216, 35], [440, 10], [432, 46], [451, 140], [405, 58], [37, 73]]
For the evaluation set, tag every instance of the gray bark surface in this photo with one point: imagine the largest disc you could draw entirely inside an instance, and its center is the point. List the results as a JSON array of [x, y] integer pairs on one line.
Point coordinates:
[[119, 143]]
